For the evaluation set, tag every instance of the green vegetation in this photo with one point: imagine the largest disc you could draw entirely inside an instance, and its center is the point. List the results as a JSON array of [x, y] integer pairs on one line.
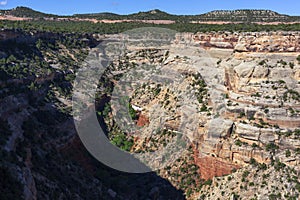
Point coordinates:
[[278, 165], [246, 173], [297, 133], [185, 174], [106, 110], [271, 147], [298, 59], [208, 182], [132, 112], [282, 62], [235, 196], [263, 62], [105, 28], [121, 141], [245, 15], [201, 91], [203, 108], [275, 196], [291, 94], [242, 114], [157, 90], [256, 95], [28, 58], [33, 61], [21, 11], [238, 143], [288, 153]]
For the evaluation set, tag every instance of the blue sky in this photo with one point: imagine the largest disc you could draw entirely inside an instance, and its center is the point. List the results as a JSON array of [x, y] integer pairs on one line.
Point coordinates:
[[67, 7]]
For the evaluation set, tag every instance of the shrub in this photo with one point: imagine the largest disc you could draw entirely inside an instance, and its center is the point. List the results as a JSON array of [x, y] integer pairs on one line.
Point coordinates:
[[274, 196], [253, 161], [245, 174], [262, 166], [189, 192], [235, 196], [279, 165], [288, 153], [262, 62], [271, 147], [298, 59], [297, 132], [254, 145], [132, 112], [203, 108], [123, 142], [298, 187], [242, 114], [238, 143], [208, 182], [297, 151]]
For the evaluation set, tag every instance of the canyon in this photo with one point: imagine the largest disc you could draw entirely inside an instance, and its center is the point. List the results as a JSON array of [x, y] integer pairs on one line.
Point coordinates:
[[234, 96], [249, 111]]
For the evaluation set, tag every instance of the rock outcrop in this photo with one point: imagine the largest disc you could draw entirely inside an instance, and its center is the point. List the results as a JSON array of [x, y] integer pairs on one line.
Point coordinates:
[[250, 42]]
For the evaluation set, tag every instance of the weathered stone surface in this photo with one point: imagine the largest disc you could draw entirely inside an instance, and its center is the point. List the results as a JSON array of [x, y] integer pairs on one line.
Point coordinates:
[[211, 167], [244, 70], [240, 47], [247, 132], [251, 42], [260, 72], [220, 128], [267, 137]]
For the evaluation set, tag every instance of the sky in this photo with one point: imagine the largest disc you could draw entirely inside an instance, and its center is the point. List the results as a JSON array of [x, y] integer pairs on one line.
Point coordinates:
[[68, 7]]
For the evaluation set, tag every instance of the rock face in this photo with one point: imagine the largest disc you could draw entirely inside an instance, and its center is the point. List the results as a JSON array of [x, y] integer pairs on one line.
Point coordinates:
[[239, 111], [142, 120], [41, 157], [262, 101], [251, 42], [211, 167]]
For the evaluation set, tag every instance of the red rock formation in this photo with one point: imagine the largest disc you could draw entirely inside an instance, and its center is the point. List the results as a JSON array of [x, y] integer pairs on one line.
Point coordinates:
[[211, 167], [142, 121]]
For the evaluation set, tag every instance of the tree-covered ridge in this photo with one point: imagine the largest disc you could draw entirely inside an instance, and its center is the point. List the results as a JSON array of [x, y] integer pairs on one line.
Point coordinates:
[[246, 15], [84, 27], [25, 12], [149, 15]]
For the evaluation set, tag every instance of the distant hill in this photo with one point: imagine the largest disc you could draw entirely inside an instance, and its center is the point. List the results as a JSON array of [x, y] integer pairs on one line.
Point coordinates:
[[26, 12], [218, 15], [104, 15], [153, 15], [150, 15], [245, 16]]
